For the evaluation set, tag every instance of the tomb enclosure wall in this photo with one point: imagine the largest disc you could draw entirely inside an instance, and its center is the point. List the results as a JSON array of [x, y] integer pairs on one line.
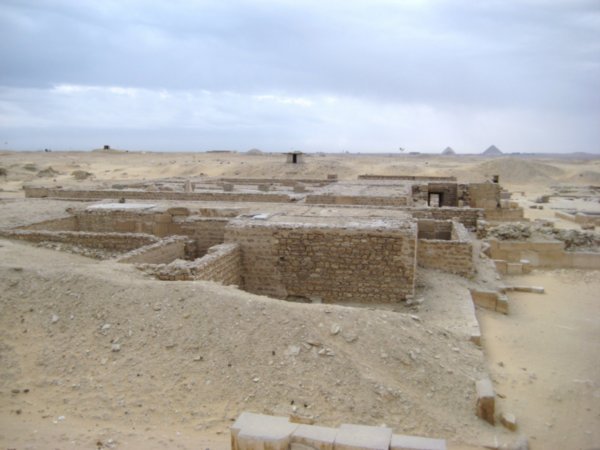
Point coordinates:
[[467, 216], [39, 192], [335, 264], [543, 254], [163, 251], [453, 255], [327, 199], [122, 242], [222, 264]]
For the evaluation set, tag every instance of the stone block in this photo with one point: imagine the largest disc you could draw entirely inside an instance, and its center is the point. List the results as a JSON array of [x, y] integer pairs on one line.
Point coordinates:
[[402, 442], [514, 268], [250, 421], [502, 304], [227, 187], [527, 266], [501, 266], [486, 400], [264, 187], [318, 438], [361, 437], [509, 421]]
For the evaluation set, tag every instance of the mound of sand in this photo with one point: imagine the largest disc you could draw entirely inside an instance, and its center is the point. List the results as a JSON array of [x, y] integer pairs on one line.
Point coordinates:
[[520, 171], [448, 151], [254, 151], [99, 341], [587, 176]]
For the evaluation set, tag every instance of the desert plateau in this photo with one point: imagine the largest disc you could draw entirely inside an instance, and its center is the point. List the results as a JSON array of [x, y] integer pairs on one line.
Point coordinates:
[[148, 299]]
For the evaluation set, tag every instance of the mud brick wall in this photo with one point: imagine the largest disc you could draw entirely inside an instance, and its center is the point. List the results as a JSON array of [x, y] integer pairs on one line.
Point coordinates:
[[448, 191], [356, 200], [163, 251], [405, 177], [483, 195], [122, 242], [435, 229], [64, 224], [206, 231], [467, 216], [335, 264], [447, 256], [40, 192], [222, 264], [117, 221], [504, 214]]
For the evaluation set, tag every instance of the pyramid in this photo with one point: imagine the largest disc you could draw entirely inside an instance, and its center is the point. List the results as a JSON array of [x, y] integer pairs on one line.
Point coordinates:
[[448, 151], [492, 150]]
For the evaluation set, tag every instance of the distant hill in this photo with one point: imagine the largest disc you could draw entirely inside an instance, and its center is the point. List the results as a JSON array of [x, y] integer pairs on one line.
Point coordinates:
[[448, 151], [492, 150]]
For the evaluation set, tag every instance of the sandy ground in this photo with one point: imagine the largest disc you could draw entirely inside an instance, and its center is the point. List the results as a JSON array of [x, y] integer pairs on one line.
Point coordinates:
[[189, 356], [543, 358]]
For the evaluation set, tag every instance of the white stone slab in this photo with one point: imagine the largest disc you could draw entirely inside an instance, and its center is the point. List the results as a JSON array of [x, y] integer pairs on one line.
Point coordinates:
[[361, 437]]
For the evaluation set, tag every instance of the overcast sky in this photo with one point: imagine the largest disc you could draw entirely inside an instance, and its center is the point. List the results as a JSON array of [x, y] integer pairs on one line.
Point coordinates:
[[313, 75]]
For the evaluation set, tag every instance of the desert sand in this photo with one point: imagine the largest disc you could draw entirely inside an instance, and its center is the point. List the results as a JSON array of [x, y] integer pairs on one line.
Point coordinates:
[[193, 355]]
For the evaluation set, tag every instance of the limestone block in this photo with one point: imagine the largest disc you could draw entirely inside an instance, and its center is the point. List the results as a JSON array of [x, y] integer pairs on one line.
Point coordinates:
[[509, 421], [264, 187], [514, 268], [486, 400], [247, 420], [319, 438], [526, 266], [361, 437], [502, 304], [227, 187], [402, 442]]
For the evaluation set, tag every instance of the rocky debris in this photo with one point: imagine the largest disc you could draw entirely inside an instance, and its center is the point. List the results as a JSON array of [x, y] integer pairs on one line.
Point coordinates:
[[55, 318], [80, 174], [573, 239], [48, 172]]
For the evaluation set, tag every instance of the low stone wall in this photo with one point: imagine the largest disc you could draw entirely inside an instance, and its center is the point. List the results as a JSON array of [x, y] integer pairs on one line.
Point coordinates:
[[549, 254], [324, 199], [504, 214], [63, 224], [222, 264], [335, 264], [405, 177], [206, 231], [41, 192], [161, 252], [467, 216], [253, 431], [580, 218], [453, 256], [435, 229], [121, 242]]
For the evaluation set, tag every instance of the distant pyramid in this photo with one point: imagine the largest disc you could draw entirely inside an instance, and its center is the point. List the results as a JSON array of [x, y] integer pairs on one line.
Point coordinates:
[[448, 151], [492, 150]]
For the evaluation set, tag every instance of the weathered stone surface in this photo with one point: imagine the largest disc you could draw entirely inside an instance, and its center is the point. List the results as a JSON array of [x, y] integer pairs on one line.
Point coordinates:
[[319, 438], [361, 437], [402, 442], [509, 421], [251, 421], [486, 400]]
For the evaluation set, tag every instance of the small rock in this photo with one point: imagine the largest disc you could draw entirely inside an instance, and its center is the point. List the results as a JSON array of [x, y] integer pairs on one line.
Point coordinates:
[[335, 329], [326, 352], [55, 318], [415, 317], [509, 421], [156, 307], [292, 350], [116, 347], [256, 379], [105, 327]]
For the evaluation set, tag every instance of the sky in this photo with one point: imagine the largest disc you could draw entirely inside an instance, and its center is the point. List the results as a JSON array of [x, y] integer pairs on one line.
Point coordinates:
[[310, 75]]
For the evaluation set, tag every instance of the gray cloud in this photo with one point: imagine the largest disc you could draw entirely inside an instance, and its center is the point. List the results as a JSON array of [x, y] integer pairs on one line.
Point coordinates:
[[531, 59]]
